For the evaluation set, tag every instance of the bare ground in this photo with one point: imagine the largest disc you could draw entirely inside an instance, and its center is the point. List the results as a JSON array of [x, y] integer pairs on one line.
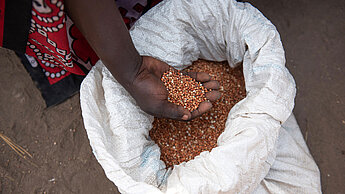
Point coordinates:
[[313, 36]]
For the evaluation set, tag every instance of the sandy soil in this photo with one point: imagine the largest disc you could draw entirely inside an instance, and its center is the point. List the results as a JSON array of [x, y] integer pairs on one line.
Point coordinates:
[[55, 137], [312, 33], [313, 36]]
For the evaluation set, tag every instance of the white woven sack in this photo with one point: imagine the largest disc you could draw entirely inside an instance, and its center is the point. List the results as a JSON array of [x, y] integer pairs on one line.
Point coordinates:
[[179, 32]]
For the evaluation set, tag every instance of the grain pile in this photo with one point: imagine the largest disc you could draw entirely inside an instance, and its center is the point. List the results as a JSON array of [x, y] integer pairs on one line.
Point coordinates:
[[181, 141], [183, 90]]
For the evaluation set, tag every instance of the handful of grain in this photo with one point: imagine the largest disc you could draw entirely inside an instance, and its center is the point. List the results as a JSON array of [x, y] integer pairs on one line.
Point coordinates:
[[183, 90], [181, 141]]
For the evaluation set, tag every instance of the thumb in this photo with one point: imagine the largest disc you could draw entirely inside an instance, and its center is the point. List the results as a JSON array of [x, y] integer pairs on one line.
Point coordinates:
[[173, 111]]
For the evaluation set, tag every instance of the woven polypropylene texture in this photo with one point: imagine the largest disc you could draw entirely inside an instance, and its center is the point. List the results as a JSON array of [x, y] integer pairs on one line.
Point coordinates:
[[249, 150]]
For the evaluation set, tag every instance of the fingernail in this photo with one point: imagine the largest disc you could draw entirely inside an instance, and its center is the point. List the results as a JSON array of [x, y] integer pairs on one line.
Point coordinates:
[[185, 117]]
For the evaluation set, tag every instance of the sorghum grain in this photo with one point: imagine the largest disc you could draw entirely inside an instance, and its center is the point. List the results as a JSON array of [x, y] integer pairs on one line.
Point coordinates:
[[181, 141], [183, 90]]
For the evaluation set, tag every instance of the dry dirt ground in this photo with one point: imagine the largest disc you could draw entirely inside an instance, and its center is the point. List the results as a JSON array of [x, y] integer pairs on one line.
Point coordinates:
[[313, 34]]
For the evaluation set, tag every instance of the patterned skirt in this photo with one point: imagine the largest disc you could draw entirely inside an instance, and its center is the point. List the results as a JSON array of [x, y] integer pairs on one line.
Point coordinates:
[[56, 54]]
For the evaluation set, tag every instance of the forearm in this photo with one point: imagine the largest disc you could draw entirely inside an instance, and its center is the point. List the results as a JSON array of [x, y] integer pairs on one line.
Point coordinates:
[[102, 25]]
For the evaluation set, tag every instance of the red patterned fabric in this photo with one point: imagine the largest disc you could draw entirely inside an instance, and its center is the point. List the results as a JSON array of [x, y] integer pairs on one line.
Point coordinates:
[[2, 20], [58, 46], [51, 48], [48, 41]]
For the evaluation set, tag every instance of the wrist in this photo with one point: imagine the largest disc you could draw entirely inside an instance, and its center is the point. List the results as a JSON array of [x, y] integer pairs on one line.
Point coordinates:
[[127, 72]]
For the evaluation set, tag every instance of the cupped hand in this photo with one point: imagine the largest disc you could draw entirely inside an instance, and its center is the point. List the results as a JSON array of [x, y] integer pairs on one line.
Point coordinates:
[[152, 96]]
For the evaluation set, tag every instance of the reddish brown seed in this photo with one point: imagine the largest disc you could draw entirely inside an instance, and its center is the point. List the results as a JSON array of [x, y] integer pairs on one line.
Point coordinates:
[[183, 90], [181, 141]]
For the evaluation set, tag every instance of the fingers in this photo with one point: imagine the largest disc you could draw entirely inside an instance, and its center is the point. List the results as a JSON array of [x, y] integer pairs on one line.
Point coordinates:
[[203, 107], [213, 84], [170, 110], [199, 76], [208, 83], [173, 111], [205, 79], [213, 95]]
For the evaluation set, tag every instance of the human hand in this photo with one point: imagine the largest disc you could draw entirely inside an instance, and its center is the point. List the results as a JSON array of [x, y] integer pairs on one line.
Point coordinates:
[[152, 96], [105, 31]]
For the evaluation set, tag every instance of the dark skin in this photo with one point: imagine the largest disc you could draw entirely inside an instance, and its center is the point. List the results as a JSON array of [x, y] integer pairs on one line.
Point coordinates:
[[107, 34]]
